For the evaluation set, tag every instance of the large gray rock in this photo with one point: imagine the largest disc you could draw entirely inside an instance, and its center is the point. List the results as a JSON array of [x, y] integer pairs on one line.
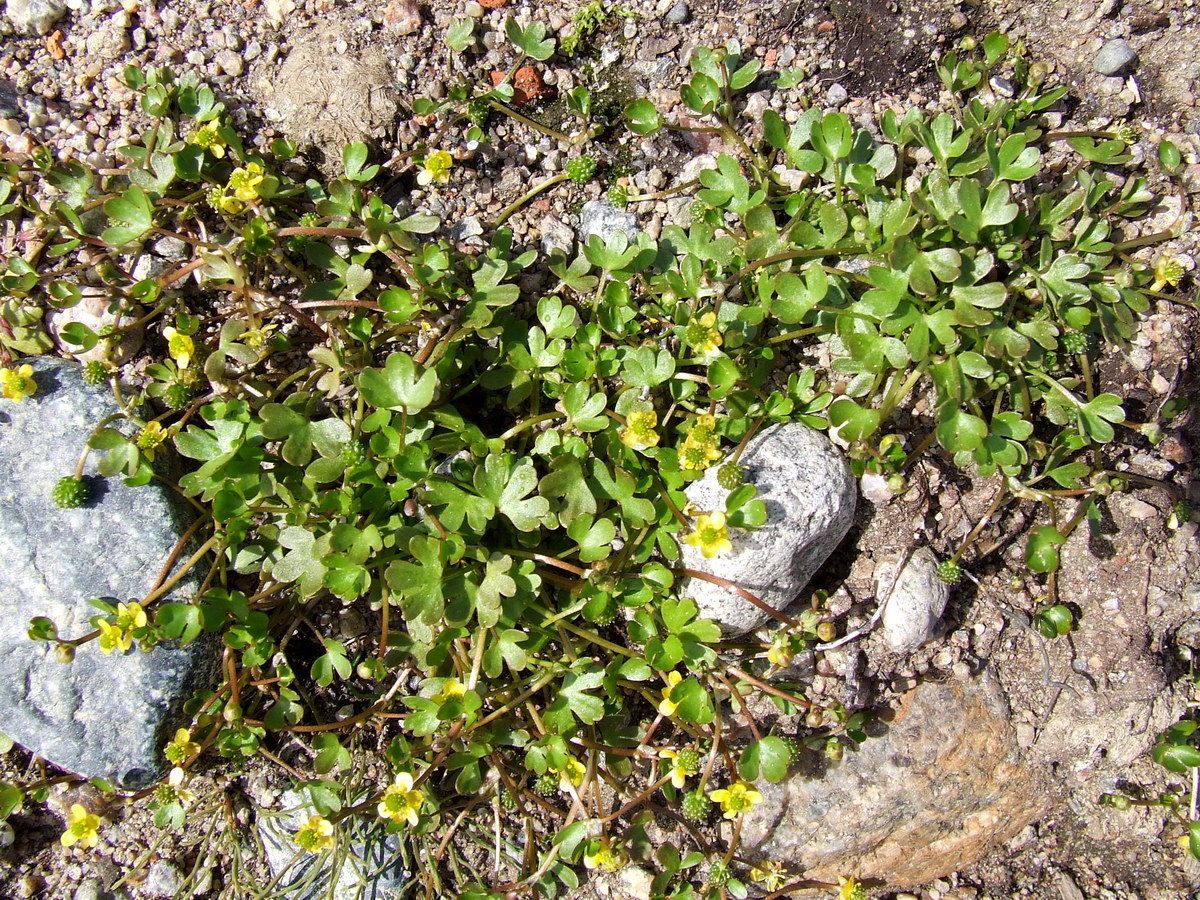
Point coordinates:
[[915, 600], [370, 868], [809, 494], [99, 716], [35, 16], [944, 785]]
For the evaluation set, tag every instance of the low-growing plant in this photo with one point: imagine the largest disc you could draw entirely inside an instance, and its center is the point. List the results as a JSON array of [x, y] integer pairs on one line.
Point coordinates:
[[383, 429]]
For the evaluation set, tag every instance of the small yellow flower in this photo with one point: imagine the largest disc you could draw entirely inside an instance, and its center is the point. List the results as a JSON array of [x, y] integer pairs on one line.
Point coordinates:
[[702, 337], [316, 835], [700, 448], [681, 764], [400, 802], [177, 781], [118, 635], [451, 690], [736, 799], [256, 338], [182, 748], [208, 138], [571, 775], [601, 855], [17, 384], [1168, 270], [180, 346], [850, 889], [780, 652], [83, 828], [667, 706], [769, 874], [436, 168], [220, 200], [150, 438], [244, 182], [710, 534], [639, 432]]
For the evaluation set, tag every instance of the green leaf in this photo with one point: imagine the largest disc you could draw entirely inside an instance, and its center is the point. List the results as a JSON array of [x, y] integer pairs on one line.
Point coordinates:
[[1169, 157], [134, 213], [330, 754], [1041, 550], [304, 561], [643, 117], [1054, 621], [769, 757], [1095, 416], [507, 482], [333, 662], [643, 367], [852, 422], [460, 35], [694, 703], [1176, 757], [400, 384], [419, 585], [532, 41], [959, 430], [497, 583]]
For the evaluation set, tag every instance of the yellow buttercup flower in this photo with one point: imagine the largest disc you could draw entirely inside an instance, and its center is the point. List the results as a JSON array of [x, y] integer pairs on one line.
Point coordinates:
[[780, 652], [244, 182], [601, 855], [700, 448], [702, 337], [177, 781], [710, 534], [639, 430], [208, 138], [118, 635], [436, 168], [667, 706], [451, 690], [682, 764], [769, 874], [400, 802], [571, 775], [316, 835], [83, 828], [182, 748], [736, 799], [1167, 271], [180, 346], [17, 384], [850, 889], [150, 438]]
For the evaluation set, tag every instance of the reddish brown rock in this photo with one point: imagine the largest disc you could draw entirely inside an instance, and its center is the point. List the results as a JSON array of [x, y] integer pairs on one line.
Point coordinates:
[[942, 787]]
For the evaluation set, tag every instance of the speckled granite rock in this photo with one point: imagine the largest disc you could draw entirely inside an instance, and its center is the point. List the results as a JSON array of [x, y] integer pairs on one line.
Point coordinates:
[[371, 870], [601, 218], [942, 787], [810, 497], [916, 600], [35, 16], [98, 716]]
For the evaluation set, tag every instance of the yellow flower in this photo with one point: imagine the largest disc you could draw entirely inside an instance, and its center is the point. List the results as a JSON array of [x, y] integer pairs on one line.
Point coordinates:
[[244, 181], [702, 337], [667, 706], [601, 855], [451, 690], [736, 799], [699, 449], [220, 200], [316, 835], [207, 138], [182, 748], [118, 635], [400, 802], [780, 652], [183, 794], [850, 889], [683, 764], [180, 346], [83, 828], [436, 168], [1168, 270], [256, 338], [17, 384], [769, 874], [639, 430], [710, 534], [151, 437], [571, 775]]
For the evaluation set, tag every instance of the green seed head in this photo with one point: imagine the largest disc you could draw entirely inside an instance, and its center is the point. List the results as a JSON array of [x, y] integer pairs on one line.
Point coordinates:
[[618, 196], [69, 493], [507, 800], [719, 873], [581, 169], [1074, 342], [949, 571], [95, 372], [478, 111], [696, 805], [546, 785], [730, 476]]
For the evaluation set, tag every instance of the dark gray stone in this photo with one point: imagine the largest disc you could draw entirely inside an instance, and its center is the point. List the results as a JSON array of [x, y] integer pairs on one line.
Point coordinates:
[[372, 868], [1114, 58], [678, 14], [810, 496], [599, 217], [99, 716], [35, 16]]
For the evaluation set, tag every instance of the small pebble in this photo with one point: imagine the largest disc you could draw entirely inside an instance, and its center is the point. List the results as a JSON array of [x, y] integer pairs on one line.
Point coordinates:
[[836, 95], [1114, 58], [678, 14]]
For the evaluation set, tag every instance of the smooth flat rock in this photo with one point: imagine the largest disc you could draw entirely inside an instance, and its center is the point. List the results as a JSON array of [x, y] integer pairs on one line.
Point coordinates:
[[370, 870], [810, 495], [35, 16], [1114, 58], [99, 716], [916, 599], [940, 789]]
